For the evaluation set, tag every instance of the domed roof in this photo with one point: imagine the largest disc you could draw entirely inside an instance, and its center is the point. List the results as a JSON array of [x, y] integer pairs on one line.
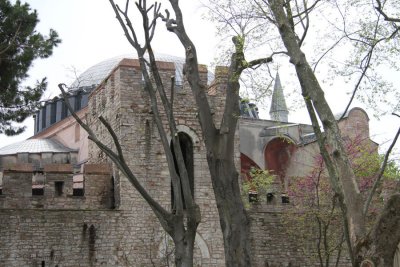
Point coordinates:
[[94, 75], [35, 146]]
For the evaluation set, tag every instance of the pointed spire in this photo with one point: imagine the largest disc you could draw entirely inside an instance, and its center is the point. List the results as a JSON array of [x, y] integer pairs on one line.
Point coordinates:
[[278, 111]]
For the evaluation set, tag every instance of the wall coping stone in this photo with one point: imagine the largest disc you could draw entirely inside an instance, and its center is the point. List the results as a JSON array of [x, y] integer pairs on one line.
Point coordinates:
[[102, 168]]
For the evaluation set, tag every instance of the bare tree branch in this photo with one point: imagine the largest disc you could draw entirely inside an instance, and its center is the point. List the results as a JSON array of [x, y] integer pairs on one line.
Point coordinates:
[[379, 8], [380, 173]]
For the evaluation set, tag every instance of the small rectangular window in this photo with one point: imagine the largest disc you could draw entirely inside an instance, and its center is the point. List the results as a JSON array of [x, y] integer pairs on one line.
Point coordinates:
[[285, 199], [253, 196], [58, 188], [78, 192], [37, 191]]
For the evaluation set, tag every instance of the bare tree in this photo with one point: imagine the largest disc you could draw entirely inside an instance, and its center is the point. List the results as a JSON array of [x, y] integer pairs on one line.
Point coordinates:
[[378, 247], [219, 139], [179, 224], [291, 20]]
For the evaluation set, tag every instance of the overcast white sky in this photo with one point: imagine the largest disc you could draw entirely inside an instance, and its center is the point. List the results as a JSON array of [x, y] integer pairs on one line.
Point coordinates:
[[90, 34]]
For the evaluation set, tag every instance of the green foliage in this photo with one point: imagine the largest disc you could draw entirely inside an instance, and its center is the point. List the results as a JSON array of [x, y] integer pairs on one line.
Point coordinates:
[[259, 183], [20, 44]]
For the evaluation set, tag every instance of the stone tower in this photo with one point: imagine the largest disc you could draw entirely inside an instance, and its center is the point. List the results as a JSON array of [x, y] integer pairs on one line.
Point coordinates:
[[278, 110]]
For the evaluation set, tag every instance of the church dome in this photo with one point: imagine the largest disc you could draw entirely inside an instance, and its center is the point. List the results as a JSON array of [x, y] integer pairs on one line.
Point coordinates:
[[94, 75]]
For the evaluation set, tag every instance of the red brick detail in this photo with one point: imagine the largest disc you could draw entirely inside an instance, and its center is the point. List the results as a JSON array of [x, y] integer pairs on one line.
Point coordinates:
[[97, 169], [58, 168], [19, 167]]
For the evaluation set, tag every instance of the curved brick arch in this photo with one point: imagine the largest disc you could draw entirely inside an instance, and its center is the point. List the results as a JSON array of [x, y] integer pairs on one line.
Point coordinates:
[[277, 155], [187, 130]]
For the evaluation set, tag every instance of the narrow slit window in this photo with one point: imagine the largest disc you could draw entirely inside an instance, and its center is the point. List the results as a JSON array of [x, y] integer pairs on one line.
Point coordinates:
[[1, 183], [59, 188]]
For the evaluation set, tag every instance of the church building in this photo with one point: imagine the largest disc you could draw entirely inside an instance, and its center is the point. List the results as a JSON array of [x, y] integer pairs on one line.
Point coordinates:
[[62, 203]]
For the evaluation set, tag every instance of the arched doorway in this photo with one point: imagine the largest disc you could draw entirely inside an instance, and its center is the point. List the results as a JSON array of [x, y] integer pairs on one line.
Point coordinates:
[[187, 152]]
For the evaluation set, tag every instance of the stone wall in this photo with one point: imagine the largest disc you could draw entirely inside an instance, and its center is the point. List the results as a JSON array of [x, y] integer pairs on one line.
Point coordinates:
[[19, 185], [124, 103], [71, 238], [272, 245]]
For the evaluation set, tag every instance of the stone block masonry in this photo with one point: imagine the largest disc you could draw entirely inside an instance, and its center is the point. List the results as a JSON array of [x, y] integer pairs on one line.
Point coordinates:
[[108, 223]]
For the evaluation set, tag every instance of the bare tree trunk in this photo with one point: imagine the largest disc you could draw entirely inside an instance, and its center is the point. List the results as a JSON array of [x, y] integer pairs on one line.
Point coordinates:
[[220, 143], [184, 244], [380, 245], [233, 218]]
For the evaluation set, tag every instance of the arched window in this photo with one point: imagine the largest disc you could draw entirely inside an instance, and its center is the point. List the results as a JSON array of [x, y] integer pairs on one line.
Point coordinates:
[[187, 152]]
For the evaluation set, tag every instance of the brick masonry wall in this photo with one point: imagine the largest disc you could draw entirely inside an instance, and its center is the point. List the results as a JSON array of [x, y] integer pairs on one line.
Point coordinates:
[[112, 225], [130, 115]]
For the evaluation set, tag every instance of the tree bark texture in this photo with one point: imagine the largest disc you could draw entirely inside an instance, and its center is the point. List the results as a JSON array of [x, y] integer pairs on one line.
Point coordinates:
[[233, 218], [380, 245]]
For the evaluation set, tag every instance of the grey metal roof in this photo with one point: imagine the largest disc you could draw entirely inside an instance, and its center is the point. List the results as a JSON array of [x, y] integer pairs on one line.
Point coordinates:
[[97, 73], [35, 146]]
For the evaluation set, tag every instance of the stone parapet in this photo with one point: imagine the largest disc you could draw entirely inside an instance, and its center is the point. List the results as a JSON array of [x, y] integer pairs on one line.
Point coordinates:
[[58, 168], [18, 167]]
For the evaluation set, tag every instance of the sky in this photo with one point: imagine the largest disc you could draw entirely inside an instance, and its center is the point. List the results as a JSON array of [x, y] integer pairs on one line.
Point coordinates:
[[90, 33]]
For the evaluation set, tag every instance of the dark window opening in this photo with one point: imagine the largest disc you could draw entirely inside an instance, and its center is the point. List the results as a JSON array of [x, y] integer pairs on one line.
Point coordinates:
[[53, 111], [43, 110], [37, 191], [187, 152], [78, 192], [64, 110], [43, 263], [36, 117], [1, 190], [112, 192], [78, 99], [58, 188], [253, 197], [270, 197], [285, 199]]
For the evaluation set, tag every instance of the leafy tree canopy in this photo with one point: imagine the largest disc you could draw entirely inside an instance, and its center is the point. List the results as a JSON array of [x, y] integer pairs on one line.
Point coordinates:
[[20, 44]]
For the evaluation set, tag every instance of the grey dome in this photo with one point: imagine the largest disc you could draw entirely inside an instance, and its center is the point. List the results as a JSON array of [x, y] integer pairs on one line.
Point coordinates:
[[35, 146], [94, 75]]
